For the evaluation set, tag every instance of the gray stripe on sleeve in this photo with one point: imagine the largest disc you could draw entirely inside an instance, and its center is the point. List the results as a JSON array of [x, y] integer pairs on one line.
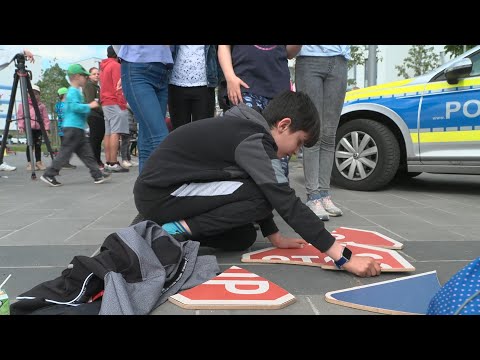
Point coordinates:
[[279, 173]]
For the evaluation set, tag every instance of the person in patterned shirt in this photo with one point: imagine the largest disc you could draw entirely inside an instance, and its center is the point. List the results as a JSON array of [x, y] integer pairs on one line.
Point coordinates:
[[191, 90]]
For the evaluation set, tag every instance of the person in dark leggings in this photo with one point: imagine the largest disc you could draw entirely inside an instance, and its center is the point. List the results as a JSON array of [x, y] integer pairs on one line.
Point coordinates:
[[35, 126], [95, 119], [191, 91]]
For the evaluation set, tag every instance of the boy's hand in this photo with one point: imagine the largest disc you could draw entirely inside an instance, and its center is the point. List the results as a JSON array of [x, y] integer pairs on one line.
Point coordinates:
[[94, 104], [363, 266], [282, 242]]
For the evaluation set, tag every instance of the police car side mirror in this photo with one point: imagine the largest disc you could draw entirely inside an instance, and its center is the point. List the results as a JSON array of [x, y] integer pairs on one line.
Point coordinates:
[[459, 69]]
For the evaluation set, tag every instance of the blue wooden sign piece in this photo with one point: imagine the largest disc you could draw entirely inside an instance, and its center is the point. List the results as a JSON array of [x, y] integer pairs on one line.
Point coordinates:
[[408, 295]]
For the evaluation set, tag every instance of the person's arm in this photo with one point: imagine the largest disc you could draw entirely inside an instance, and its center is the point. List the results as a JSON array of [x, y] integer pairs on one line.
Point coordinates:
[[234, 83], [293, 50], [75, 103], [116, 76], [80, 108], [257, 156], [282, 242], [44, 113], [20, 118]]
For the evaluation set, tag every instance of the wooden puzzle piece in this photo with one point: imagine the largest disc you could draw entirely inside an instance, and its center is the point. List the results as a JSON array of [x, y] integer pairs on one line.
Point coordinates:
[[235, 288]]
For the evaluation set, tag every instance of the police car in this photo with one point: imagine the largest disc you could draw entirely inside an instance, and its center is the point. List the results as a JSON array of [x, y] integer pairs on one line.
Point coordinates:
[[426, 124]]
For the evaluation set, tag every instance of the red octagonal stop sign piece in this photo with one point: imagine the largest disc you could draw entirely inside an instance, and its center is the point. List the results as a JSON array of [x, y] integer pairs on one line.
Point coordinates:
[[235, 288], [308, 255], [365, 237]]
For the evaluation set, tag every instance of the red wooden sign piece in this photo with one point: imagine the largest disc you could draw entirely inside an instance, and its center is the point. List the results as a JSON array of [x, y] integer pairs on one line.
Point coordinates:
[[308, 255], [390, 260], [365, 237], [235, 288]]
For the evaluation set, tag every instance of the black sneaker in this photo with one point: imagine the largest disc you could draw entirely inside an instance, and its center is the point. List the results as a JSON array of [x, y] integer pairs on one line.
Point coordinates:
[[69, 166], [50, 180], [102, 179]]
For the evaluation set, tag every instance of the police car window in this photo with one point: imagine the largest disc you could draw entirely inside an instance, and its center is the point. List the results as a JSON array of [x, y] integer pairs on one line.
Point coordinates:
[[475, 68], [476, 64]]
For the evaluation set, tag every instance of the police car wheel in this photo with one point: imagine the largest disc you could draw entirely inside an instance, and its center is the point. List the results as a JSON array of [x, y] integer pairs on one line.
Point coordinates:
[[367, 155]]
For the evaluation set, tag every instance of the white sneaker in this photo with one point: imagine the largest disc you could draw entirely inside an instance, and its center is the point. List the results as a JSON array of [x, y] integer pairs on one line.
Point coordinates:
[[115, 168], [317, 207], [126, 163], [6, 167], [330, 207], [134, 163]]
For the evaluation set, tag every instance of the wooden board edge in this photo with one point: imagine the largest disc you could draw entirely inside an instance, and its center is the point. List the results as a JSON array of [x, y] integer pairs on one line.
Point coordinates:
[[333, 267], [330, 299], [232, 307], [397, 244], [393, 247], [281, 262]]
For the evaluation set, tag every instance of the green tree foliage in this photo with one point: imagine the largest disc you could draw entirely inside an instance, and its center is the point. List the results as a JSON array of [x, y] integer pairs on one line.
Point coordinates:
[[420, 60], [357, 52], [53, 78], [456, 50]]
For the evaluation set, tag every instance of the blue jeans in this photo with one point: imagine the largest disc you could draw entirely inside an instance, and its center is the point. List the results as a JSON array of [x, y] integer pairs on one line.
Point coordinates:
[[145, 87]]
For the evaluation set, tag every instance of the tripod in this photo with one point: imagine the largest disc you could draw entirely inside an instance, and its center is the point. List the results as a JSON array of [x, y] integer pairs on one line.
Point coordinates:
[[24, 76]]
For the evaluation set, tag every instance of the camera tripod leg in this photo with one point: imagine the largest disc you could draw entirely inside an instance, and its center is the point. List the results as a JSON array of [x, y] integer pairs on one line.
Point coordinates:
[[22, 77]]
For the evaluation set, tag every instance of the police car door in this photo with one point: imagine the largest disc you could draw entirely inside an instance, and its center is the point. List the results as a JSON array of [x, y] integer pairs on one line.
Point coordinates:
[[449, 122]]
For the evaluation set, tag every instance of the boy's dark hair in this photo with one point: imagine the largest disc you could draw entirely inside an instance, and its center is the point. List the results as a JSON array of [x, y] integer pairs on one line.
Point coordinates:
[[299, 107]]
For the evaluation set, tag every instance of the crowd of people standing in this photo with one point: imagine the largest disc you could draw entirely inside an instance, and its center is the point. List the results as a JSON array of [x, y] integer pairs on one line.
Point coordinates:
[[137, 83]]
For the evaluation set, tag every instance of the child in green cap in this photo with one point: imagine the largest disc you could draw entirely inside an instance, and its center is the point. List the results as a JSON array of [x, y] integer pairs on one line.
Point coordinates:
[[59, 106], [74, 123]]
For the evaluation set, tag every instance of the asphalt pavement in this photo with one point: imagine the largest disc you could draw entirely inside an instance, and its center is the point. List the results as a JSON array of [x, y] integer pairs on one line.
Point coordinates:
[[42, 228]]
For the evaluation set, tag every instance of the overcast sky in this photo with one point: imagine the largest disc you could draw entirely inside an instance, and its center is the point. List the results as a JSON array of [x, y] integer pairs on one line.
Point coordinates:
[[64, 54]]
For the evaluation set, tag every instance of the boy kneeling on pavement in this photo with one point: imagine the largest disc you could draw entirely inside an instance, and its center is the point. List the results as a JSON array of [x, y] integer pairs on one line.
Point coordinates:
[[211, 180]]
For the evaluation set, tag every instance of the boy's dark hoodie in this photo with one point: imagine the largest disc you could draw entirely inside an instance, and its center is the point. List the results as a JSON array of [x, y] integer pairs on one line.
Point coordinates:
[[237, 146]]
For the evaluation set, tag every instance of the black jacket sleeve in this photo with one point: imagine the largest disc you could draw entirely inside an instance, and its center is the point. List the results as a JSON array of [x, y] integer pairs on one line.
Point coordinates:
[[257, 156]]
